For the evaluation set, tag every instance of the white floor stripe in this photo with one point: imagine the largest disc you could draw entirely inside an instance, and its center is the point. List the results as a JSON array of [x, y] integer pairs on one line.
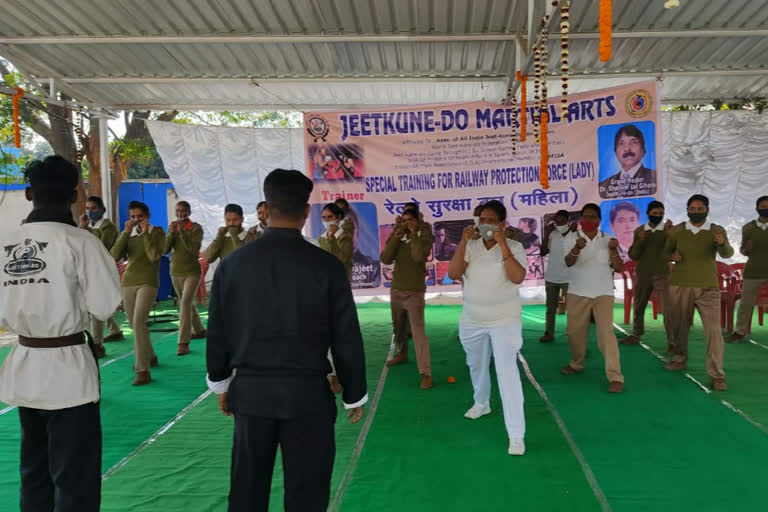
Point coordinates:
[[361, 438], [758, 344], [703, 387], [599, 494], [156, 435]]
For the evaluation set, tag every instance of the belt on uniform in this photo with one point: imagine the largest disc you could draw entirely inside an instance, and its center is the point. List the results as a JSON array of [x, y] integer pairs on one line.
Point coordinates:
[[57, 342]]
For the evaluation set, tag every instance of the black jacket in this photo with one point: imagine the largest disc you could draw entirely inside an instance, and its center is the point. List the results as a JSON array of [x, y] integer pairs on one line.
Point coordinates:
[[643, 184], [277, 305]]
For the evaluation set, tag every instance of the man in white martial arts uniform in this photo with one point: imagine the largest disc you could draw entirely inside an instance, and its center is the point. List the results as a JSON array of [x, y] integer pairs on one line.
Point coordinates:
[[55, 278], [492, 266]]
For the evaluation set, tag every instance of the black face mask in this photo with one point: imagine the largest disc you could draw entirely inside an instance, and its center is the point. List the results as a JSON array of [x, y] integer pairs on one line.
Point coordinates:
[[655, 219], [763, 213], [697, 218]]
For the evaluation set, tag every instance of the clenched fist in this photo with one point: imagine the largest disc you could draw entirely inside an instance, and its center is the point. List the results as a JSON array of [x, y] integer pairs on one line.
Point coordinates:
[[613, 244], [581, 243]]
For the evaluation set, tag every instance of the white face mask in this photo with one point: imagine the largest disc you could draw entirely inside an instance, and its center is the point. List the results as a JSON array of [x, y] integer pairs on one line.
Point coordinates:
[[477, 221], [327, 225], [563, 229], [487, 231]]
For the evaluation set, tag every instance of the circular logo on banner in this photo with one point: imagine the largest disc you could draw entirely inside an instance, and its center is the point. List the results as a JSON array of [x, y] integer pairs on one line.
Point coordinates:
[[317, 127], [639, 103]]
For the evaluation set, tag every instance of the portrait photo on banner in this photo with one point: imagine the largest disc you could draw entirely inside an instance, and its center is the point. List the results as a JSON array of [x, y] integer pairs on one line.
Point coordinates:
[[620, 219], [335, 162], [366, 269], [627, 160]]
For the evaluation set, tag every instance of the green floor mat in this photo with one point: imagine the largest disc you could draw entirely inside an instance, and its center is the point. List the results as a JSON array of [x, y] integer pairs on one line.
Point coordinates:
[[746, 364], [129, 414], [422, 454], [661, 445], [188, 467]]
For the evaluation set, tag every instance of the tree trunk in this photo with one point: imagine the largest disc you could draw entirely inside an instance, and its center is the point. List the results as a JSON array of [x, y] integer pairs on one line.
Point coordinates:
[[92, 152]]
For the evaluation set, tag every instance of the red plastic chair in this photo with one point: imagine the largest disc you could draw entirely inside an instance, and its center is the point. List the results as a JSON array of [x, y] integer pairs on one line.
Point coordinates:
[[762, 303], [628, 275], [202, 292], [729, 288]]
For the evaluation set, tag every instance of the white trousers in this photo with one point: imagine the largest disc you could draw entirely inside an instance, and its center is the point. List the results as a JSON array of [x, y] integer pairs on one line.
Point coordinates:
[[504, 341]]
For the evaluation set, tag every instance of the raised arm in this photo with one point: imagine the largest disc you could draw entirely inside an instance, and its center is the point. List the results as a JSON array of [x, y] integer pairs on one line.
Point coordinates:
[[421, 244], [390, 248], [459, 262]]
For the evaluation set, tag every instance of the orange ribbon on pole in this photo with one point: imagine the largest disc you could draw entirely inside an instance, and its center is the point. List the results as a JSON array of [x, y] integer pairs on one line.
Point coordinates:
[[16, 125], [523, 104], [544, 141]]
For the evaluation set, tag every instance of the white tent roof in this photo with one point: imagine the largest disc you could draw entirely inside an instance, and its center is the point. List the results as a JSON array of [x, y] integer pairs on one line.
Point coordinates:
[[314, 54]]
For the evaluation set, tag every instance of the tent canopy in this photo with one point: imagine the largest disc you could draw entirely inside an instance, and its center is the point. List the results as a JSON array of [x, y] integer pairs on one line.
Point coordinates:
[[315, 54]]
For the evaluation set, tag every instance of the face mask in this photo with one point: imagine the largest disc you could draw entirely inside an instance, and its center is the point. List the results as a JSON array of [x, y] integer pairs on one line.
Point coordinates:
[[655, 219], [182, 218], [563, 229], [589, 225], [763, 213], [327, 225], [697, 218], [487, 231], [477, 221], [95, 215]]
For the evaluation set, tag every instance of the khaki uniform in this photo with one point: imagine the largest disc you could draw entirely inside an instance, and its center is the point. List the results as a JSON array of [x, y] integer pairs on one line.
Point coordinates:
[[106, 231], [185, 276], [140, 283]]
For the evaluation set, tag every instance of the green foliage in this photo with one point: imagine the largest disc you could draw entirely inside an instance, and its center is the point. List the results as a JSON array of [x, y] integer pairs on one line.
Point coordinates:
[[242, 119], [134, 150]]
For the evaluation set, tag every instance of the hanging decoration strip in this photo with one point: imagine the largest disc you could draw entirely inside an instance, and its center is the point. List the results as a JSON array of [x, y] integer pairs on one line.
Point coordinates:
[[16, 124], [606, 19], [564, 29], [536, 91], [544, 165], [513, 105], [523, 105]]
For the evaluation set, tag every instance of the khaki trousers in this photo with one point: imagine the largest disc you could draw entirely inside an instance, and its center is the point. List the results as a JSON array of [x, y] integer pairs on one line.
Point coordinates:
[[189, 319], [97, 329], [749, 292], [138, 301], [412, 303], [644, 286], [553, 290], [579, 311], [681, 301]]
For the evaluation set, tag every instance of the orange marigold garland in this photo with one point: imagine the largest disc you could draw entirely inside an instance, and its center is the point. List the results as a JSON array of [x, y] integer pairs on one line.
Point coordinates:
[[16, 125], [544, 166], [606, 20], [523, 105]]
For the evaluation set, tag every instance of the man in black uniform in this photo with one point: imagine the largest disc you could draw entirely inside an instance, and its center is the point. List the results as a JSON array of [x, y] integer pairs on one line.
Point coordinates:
[[277, 306]]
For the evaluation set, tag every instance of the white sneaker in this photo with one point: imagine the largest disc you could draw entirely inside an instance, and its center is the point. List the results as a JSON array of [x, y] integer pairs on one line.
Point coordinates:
[[477, 410], [516, 447]]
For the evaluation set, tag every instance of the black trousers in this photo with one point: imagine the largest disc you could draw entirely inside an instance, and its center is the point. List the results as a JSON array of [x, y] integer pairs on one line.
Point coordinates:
[[61, 459], [307, 446]]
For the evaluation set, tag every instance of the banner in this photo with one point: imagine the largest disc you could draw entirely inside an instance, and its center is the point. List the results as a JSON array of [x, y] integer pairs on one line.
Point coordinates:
[[451, 158]]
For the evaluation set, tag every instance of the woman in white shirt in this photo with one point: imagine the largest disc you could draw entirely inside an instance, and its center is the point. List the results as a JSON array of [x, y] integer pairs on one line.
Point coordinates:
[[556, 275], [491, 267]]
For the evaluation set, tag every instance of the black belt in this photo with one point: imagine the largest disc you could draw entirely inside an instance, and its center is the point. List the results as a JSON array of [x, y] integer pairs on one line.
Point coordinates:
[[56, 342]]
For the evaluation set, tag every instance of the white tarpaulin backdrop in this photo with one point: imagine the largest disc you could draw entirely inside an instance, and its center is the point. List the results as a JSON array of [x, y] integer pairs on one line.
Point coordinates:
[[211, 166], [723, 155]]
